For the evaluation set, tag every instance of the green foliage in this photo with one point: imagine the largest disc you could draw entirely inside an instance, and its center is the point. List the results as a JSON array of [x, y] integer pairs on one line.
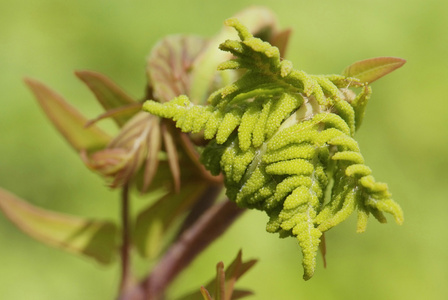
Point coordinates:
[[372, 69], [118, 105], [91, 238], [67, 120], [284, 141]]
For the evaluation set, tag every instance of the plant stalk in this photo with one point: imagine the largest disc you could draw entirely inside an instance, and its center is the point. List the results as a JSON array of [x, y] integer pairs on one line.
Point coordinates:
[[125, 240], [190, 243]]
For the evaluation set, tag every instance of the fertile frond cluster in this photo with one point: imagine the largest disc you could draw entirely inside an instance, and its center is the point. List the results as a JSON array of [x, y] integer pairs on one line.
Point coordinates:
[[284, 141]]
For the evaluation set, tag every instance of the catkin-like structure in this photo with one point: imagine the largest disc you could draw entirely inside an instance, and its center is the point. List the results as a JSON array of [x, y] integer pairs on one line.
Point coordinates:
[[284, 141]]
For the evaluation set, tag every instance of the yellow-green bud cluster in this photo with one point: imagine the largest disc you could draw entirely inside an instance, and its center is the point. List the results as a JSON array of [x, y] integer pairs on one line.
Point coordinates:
[[284, 141]]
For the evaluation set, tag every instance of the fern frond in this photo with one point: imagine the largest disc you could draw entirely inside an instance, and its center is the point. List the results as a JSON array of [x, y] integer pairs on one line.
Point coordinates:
[[282, 139]]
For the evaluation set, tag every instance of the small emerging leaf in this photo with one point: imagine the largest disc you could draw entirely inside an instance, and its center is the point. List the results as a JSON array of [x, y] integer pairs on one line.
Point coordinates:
[[220, 282], [205, 294], [170, 64], [92, 238], [67, 120], [173, 157], [152, 159], [223, 286], [238, 268], [369, 70], [109, 95]]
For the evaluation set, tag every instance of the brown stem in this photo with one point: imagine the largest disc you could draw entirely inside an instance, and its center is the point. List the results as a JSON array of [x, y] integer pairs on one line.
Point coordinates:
[[192, 242], [125, 240], [205, 201]]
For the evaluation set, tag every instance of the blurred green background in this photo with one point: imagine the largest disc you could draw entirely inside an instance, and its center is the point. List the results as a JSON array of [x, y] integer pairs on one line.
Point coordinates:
[[404, 139]]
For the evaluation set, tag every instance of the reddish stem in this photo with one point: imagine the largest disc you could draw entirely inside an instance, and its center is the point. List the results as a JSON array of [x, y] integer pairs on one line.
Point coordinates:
[[125, 240], [192, 242]]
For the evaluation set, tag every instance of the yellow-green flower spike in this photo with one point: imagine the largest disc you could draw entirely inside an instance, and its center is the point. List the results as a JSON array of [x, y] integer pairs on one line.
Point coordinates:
[[245, 130], [283, 139]]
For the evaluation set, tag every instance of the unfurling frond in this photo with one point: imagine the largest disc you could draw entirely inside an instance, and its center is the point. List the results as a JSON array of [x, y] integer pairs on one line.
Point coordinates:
[[284, 141]]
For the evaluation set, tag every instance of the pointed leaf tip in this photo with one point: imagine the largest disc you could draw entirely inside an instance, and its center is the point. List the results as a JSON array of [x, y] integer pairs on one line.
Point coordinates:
[[371, 69], [220, 291], [205, 294], [171, 65], [67, 120], [110, 95], [223, 285], [92, 238]]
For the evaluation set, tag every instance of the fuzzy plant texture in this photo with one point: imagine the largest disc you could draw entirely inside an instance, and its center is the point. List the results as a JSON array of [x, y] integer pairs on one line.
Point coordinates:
[[283, 140]]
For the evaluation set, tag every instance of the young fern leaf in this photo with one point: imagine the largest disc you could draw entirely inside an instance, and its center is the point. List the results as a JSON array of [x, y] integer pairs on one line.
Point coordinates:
[[282, 138]]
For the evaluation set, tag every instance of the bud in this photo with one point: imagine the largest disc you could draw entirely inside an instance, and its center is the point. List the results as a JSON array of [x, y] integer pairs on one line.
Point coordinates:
[[125, 155]]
